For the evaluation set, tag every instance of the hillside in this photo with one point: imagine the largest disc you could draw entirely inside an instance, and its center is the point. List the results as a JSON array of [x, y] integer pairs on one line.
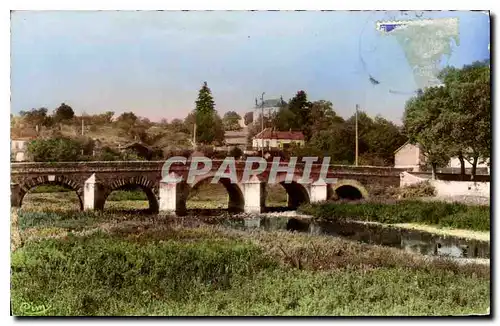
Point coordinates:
[[110, 135]]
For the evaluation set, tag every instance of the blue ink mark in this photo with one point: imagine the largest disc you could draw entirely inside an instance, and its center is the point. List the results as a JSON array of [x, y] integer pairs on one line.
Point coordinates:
[[390, 27]]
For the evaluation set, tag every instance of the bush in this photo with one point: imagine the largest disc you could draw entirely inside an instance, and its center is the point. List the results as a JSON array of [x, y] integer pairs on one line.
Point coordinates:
[[418, 190], [108, 154], [453, 215], [236, 152], [58, 149], [380, 191]]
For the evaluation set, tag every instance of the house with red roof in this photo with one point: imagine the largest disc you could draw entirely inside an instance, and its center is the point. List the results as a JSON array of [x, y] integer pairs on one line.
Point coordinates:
[[273, 139]]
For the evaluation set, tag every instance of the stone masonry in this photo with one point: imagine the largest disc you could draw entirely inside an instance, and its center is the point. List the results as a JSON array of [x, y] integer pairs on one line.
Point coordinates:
[[94, 181]]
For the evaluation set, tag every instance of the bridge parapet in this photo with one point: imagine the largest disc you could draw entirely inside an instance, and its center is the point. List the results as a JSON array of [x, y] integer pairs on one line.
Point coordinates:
[[94, 181]]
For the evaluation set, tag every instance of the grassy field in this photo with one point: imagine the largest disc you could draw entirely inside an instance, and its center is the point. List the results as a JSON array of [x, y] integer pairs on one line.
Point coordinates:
[[451, 215], [86, 263]]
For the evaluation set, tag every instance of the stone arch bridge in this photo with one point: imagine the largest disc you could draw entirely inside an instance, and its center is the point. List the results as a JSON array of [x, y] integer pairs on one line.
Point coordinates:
[[94, 181]]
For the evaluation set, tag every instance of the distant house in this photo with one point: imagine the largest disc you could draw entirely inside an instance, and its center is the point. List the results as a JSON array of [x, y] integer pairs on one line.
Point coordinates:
[[269, 138], [409, 156], [236, 139], [412, 156], [19, 148]]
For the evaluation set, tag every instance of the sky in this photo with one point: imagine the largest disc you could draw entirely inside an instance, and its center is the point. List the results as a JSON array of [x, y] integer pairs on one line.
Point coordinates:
[[154, 62]]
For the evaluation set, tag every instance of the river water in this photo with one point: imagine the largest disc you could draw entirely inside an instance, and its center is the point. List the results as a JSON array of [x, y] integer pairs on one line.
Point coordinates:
[[405, 239]]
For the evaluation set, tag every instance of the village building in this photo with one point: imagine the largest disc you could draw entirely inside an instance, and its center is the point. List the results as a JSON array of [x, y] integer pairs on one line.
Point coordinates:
[[411, 156], [272, 139], [236, 139], [19, 148]]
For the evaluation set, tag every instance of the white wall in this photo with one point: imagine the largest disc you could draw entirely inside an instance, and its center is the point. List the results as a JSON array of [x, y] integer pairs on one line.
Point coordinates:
[[461, 188], [449, 188], [18, 145], [455, 163], [273, 143], [407, 156]]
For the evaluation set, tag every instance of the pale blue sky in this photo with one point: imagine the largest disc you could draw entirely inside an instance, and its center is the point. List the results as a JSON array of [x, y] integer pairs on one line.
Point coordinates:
[[153, 63]]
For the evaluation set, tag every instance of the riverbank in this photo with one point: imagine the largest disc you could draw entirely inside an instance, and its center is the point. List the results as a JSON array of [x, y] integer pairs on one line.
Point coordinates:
[[433, 214], [110, 264]]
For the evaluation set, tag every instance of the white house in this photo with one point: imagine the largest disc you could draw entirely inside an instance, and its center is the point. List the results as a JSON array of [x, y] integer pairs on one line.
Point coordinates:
[[269, 138], [18, 148], [411, 156]]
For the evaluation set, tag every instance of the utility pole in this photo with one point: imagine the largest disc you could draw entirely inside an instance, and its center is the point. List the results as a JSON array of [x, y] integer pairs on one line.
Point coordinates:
[[83, 127], [356, 162], [262, 121], [194, 136]]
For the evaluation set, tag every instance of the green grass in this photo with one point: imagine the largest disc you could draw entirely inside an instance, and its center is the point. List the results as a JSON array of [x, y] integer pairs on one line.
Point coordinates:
[[126, 195], [65, 219], [171, 266], [452, 215], [108, 275]]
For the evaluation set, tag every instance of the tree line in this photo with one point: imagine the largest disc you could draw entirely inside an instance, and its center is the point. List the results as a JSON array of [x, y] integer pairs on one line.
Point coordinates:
[[454, 119]]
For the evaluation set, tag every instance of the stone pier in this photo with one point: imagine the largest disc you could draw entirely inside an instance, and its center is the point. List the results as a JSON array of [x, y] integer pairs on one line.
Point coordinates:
[[254, 192], [171, 196], [92, 194]]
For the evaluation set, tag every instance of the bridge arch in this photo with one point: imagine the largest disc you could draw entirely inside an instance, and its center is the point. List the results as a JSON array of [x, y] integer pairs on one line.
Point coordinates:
[[348, 189], [297, 193], [26, 185], [236, 200], [144, 184]]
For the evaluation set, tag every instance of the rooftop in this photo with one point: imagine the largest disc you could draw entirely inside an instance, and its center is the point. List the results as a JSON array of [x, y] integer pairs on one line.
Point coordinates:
[[268, 133]]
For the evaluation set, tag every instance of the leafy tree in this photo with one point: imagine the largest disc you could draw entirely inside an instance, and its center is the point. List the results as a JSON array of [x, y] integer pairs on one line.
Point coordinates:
[[133, 127], [54, 150], [209, 126], [323, 116], [205, 102], [231, 121], [467, 116], [365, 126], [63, 113], [423, 125], [300, 107], [296, 115], [177, 125], [126, 118], [285, 119], [335, 142], [383, 138], [108, 154], [248, 118], [36, 117]]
